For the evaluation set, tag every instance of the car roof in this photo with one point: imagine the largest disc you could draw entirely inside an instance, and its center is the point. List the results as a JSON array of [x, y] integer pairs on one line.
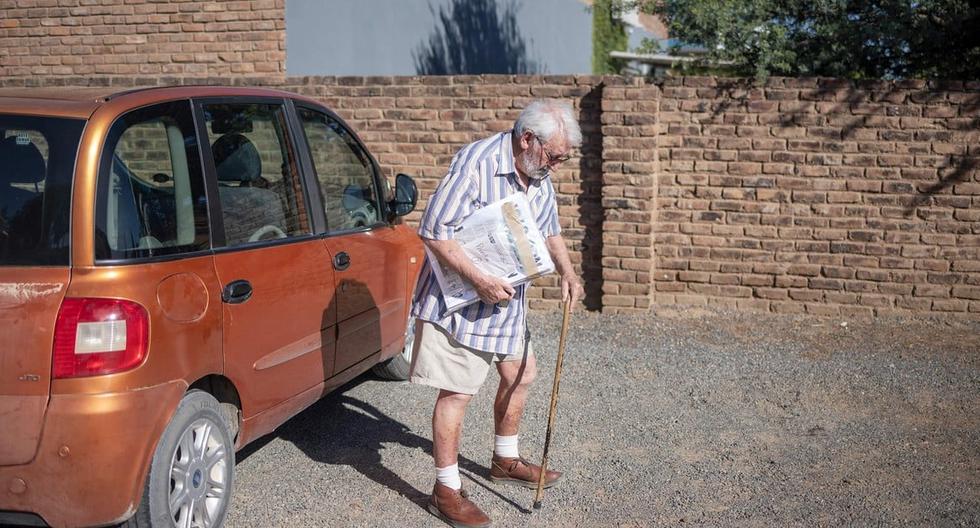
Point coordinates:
[[82, 102]]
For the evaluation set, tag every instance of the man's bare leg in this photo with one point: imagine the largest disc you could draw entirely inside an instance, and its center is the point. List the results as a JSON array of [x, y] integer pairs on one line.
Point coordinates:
[[448, 500], [508, 407], [447, 425], [507, 466]]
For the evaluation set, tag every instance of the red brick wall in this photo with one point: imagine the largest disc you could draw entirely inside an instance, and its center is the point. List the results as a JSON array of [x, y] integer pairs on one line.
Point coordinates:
[[629, 171], [819, 196], [802, 195], [141, 37]]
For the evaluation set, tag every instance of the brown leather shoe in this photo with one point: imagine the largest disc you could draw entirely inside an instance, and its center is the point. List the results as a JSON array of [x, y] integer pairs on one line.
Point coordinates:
[[520, 472], [454, 507]]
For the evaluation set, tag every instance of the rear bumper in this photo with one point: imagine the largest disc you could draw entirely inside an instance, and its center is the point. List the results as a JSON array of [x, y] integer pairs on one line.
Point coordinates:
[[93, 457]]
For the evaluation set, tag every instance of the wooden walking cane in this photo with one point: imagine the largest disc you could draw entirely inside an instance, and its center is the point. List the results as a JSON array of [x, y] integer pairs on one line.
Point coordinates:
[[554, 403]]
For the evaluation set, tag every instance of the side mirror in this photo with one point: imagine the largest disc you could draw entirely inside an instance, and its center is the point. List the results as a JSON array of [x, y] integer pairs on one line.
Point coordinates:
[[406, 196]]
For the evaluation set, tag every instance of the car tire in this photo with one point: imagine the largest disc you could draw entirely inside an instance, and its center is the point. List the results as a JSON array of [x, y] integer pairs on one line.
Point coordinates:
[[399, 367], [193, 468]]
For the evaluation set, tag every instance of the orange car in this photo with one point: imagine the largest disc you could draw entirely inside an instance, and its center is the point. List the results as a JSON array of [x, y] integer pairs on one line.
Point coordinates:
[[181, 270]]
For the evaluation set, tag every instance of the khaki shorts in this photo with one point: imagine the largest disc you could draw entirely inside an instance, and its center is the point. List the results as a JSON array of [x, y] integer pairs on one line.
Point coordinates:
[[439, 361]]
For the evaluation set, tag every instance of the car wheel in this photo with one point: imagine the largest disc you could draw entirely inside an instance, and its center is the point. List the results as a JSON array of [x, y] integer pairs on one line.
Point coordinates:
[[398, 367], [193, 468]]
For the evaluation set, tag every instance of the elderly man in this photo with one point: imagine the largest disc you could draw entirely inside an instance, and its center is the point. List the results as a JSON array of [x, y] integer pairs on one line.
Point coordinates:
[[454, 351]]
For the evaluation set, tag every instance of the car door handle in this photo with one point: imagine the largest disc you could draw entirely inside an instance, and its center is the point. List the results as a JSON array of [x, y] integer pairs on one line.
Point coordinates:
[[341, 261], [236, 292]]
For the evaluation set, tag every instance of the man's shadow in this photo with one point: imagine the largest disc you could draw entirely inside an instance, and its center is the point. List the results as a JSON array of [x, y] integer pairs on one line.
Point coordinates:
[[342, 430]]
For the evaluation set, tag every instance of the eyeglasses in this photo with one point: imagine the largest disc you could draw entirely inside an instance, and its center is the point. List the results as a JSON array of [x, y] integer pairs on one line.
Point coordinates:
[[552, 159]]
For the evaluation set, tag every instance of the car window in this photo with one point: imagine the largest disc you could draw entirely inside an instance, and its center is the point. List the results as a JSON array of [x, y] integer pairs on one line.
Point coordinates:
[[151, 199], [258, 178], [344, 173], [37, 160]]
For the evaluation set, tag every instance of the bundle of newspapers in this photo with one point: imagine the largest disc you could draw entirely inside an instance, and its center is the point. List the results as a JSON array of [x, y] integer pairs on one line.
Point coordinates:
[[503, 240]]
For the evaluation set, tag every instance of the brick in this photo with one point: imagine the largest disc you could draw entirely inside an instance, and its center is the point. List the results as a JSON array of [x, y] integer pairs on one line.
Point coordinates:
[[617, 300], [915, 304], [870, 299], [841, 297], [895, 263], [734, 291], [827, 310], [771, 293], [932, 265], [755, 305], [787, 307], [945, 278], [860, 286], [809, 197], [808, 270], [919, 251], [838, 272], [929, 290], [949, 305], [789, 281], [966, 265], [966, 292], [693, 300], [826, 284], [855, 312]]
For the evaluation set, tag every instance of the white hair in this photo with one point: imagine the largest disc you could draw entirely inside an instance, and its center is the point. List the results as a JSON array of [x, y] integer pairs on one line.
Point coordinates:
[[546, 117]]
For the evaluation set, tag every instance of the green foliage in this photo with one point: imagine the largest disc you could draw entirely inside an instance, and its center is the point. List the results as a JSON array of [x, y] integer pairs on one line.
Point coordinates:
[[874, 39], [608, 34], [649, 46]]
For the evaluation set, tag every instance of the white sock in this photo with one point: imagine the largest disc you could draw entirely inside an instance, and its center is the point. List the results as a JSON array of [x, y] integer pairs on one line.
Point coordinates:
[[449, 477], [505, 446]]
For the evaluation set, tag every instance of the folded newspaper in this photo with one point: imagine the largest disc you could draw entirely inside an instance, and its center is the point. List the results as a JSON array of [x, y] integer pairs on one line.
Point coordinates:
[[503, 240]]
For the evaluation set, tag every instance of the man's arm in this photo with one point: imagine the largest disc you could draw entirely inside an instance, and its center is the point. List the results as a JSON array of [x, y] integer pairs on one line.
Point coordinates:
[[490, 289], [449, 206], [571, 286]]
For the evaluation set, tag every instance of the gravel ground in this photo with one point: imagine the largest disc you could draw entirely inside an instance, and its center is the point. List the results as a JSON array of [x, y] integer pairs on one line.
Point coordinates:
[[686, 417]]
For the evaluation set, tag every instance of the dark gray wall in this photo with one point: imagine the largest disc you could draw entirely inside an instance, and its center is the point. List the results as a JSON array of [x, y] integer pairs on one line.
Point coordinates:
[[408, 37]]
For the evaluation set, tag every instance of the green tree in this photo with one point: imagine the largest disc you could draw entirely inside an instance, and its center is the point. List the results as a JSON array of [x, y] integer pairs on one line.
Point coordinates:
[[873, 39], [608, 34]]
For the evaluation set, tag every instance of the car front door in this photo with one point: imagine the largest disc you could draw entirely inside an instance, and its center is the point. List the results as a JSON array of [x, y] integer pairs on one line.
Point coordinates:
[[368, 255], [278, 286]]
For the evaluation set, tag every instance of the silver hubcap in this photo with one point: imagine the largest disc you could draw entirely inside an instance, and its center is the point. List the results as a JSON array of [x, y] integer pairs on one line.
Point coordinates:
[[409, 340], [198, 476]]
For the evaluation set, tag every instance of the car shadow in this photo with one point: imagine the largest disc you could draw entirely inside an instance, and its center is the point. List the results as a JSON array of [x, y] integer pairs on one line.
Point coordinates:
[[345, 431]]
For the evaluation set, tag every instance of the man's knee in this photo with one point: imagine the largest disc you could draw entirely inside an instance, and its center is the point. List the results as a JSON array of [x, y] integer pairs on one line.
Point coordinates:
[[453, 398], [530, 372], [519, 372]]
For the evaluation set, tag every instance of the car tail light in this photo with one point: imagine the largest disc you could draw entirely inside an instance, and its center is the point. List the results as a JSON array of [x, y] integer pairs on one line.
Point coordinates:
[[99, 336]]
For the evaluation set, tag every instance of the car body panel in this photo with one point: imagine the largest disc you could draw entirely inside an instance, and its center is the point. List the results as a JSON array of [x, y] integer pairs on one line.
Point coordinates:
[[370, 305], [29, 302], [85, 475], [280, 342], [179, 350], [55, 103]]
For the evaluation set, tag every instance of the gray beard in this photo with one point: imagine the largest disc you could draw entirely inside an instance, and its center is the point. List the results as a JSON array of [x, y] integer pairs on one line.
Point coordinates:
[[539, 174], [534, 173]]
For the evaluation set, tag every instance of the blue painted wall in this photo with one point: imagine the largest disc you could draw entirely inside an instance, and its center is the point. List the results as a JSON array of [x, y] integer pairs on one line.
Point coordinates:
[[409, 37]]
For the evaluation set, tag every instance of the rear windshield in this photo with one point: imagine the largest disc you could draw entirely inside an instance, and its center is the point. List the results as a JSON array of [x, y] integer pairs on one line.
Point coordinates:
[[37, 160]]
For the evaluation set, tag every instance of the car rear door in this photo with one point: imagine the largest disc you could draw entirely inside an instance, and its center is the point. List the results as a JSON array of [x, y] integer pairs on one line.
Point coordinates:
[[278, 300], [369, 256], [37, 159]]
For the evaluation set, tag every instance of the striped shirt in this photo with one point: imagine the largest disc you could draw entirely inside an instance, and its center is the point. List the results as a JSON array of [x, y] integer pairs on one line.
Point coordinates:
[[480, 174]]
